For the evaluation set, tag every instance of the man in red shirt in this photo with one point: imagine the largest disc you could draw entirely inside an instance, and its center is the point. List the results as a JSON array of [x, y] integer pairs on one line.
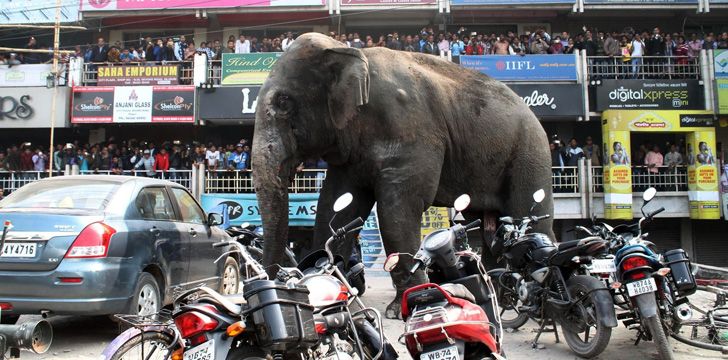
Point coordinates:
[[161, 160]]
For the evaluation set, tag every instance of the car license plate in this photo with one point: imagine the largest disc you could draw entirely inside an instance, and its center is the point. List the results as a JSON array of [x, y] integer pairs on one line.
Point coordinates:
[[19, 250], [448, 353], [602, 266], [205, 351], [640, 287]]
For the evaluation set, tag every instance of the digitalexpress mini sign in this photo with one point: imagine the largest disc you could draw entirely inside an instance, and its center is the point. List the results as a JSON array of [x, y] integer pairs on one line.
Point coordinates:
[[133, 104], [247, 69], [138, 75]]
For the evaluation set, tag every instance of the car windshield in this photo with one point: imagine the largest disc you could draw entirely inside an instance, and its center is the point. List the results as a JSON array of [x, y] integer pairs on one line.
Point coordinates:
[[62, 194]]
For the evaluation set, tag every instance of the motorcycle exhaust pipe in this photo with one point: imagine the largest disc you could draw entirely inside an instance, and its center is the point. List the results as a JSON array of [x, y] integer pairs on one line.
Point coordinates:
[[32, 336], [683, 312]]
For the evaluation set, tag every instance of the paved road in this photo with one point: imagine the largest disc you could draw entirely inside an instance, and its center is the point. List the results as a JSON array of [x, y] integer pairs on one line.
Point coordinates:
[[80, 338]]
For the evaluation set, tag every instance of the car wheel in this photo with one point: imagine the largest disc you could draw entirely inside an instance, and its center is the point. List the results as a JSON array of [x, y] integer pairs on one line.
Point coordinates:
[[147, 300], [230, 282], [9, 319]]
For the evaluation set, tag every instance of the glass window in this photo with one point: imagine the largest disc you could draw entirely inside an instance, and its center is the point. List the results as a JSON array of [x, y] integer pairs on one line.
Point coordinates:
[[153, 204], [62, 194], [190, 211]]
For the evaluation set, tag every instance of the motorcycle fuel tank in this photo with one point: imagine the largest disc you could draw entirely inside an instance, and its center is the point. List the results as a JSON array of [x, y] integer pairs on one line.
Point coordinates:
[[325, 290]]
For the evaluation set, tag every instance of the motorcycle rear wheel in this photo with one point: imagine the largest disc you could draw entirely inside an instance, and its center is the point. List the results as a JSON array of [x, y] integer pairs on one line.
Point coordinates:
[[148, 345], [582, 343], [654, 325]]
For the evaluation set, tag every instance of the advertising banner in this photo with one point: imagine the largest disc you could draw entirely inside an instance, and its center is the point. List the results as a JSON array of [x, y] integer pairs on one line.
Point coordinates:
[[720, 60], [27, 75], [387, 2], [523, 68], [111, 5], [247, 69], [650, 94], [133, 104], [29, 107], [640, 2], [722, 95], [551, 100], [509, 2], [244, 208], [372, 249], [138, 75], [229, 104], [617, 126]]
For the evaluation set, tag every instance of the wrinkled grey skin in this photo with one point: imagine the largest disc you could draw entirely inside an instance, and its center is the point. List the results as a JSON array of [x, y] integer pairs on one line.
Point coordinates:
[[404, 130]]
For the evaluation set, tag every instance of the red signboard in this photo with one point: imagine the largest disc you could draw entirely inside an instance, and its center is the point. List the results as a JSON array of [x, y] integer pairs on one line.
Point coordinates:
[[133, 104]]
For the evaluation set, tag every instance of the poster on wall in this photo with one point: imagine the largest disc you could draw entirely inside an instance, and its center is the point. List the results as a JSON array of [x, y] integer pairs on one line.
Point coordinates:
[[617, 174], [722, 95], [133, 104], [247, 69], [703, 174]]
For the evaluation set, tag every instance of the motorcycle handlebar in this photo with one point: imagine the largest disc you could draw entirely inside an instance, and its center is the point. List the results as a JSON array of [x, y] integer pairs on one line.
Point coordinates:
[[543, 217], [220, 244], [652, 214], [473, 225], [353, 224]]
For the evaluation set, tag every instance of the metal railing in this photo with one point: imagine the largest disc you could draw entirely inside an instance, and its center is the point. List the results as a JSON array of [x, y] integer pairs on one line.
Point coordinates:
[[89, 76], [182, 177], [644, 67], [565, 180], [663, 178], [241, 181], [14, 180]]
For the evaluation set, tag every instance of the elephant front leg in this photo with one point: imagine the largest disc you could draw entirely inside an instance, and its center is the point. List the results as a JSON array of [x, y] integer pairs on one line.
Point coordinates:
[[399, 223]]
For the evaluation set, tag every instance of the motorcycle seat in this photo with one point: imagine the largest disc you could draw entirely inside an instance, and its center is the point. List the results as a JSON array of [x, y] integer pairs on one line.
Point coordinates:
[[237, 299], [566, 245], [459, 291], [229, 303]]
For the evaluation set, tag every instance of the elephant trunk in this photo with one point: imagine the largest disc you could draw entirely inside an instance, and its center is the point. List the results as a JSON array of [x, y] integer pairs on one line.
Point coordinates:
[[272, 169]]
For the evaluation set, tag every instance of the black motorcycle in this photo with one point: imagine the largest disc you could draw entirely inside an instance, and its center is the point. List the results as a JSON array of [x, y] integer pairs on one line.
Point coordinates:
[[541, 282]]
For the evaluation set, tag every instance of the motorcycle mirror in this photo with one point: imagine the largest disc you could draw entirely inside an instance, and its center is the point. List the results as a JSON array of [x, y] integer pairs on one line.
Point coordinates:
[[649, 194], [539, 195], [391, 262], [343, 202], [462, 202]]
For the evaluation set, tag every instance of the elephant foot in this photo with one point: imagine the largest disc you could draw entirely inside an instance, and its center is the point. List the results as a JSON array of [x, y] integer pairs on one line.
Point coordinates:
[[394, 309]]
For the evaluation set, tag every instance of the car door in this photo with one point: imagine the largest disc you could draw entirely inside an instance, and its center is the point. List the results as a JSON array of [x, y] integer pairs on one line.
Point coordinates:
[[191, 222], [157, 224]]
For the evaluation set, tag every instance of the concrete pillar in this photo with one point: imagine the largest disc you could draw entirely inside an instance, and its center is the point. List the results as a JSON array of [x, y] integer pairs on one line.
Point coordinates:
[[686, 237]]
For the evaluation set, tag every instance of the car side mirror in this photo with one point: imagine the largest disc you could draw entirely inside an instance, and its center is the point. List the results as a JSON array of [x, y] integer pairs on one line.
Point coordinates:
[[214, 219]]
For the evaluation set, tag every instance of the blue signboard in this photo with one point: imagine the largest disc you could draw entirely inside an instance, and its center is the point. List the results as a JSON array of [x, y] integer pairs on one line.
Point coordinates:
[[510, 2], [244, 208], [523, 68]]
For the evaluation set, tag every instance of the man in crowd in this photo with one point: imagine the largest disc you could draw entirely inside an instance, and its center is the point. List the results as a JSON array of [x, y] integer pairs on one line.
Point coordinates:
[[146, 163], [591, 151], [288, 41], [180, 47], [430, 47], [100, 51], [242, 45], [654, 161]]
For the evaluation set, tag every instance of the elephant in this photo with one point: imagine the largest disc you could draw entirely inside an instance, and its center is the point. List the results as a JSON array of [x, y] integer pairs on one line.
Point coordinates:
[[399, 129]]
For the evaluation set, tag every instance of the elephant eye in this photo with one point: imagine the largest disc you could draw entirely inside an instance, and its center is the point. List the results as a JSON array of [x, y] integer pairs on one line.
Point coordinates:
[[284, 103]]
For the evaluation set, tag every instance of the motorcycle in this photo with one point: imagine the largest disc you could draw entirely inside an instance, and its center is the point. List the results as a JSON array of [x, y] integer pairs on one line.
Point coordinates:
[[651, 287], [34, 336], [542, 281], [455, 315], [297, 315]]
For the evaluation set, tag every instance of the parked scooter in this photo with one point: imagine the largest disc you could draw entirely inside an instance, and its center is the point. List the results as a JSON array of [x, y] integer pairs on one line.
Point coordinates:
[[297, 315], [542, 282], [35, 336], [455, 316]]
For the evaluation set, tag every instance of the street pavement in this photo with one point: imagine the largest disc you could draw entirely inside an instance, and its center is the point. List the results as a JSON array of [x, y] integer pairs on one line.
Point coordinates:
[[82, 338]]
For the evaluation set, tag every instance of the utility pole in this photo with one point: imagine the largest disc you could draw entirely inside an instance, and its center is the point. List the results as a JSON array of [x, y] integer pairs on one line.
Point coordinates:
[[54, 73]]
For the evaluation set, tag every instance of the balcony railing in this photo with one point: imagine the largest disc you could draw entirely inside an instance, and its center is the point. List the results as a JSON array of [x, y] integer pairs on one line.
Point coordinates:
[[645, 67], [663, 178], [89, 76]]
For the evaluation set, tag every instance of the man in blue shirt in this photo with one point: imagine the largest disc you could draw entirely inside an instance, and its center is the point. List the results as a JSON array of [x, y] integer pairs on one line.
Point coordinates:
[[238, 159]]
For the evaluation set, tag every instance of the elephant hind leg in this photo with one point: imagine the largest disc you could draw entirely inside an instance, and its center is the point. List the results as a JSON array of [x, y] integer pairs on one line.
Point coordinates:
[[529, 172]]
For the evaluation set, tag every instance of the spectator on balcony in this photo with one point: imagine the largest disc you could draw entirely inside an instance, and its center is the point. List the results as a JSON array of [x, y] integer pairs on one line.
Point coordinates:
[[179, 48], [723, 41], [161, 160], [39, 160], [474, 47], [82, 160], [655, 48], [103, 162], [517, 47], [13, 159], [356, 42], [457, 47], [230, 49], [238, 159], [276, 45], [149, 48], [501, 46], [709, 42], [288, 41], [26, 158], [557, 160], [100, 52], [573, 153], [591, 151], [146, 164], [242, 45], [31, 57], [694, 46], [126, 56], [116, 166], [217, 48], [654, 160], [556, 46], [539, 45], [189, 54], [430, 47], [443, 45], [114, 55], [408, 44], [205, 49], [673, 158], [638, 50], [212, 157]]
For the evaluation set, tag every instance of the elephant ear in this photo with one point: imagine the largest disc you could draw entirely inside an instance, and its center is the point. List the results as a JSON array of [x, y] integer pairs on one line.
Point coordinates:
[[349, 86]]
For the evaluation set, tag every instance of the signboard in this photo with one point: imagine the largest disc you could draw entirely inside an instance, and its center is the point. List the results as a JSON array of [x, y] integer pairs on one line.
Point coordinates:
[[551, 100], [720, 61], [617, 126], [133, 104], [111, 5], [247, 69], [27, 75], [29, 107], [510, 2], [229, 104], [387, 2], [722, 95], [138, 75], [639, 2], [650, 94], [523, 68]]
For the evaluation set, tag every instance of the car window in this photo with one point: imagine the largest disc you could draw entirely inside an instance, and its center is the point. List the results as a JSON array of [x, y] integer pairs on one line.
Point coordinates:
[[63, 194], [154, 204], [190, 211]]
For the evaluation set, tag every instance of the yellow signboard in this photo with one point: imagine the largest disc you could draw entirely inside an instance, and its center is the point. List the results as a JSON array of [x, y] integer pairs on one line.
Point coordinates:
[[434, 218]]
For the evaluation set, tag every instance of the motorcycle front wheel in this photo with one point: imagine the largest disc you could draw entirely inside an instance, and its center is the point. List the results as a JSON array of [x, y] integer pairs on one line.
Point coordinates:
[[508, 302], [595, 336]]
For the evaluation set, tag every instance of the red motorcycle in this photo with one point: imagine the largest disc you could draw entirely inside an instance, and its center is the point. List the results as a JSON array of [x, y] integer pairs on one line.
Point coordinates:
[[454, 317]]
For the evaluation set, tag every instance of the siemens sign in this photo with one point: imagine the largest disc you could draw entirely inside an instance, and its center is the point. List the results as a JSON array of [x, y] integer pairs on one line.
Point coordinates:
[[523, 68], [650, 94]]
